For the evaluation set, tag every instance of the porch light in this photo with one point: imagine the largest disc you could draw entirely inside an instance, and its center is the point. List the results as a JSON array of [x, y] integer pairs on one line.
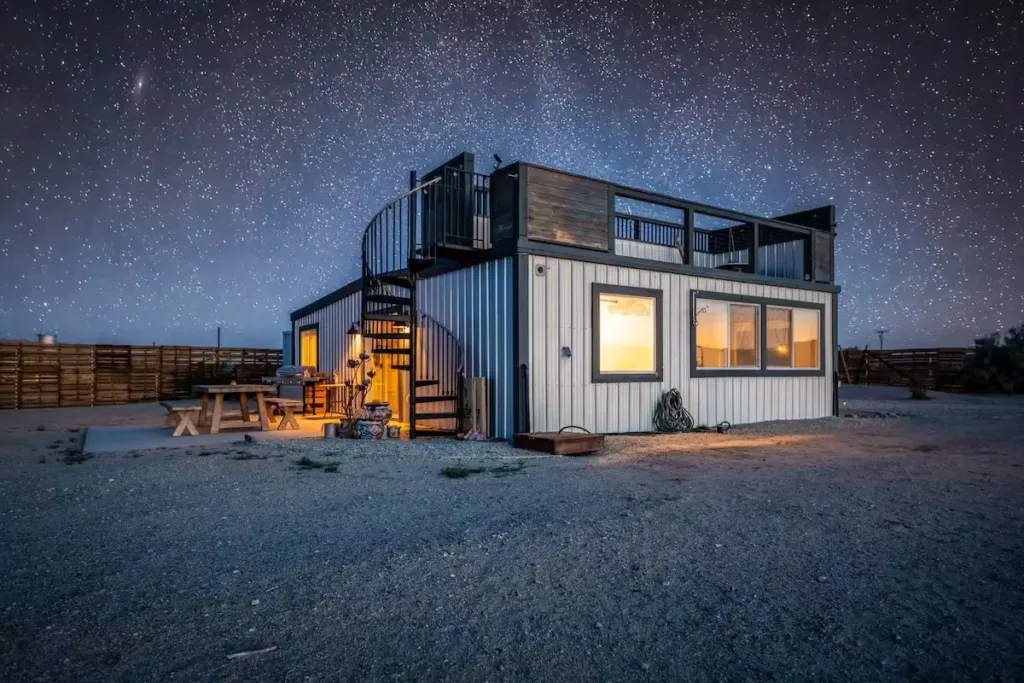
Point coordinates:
[[354, 330]]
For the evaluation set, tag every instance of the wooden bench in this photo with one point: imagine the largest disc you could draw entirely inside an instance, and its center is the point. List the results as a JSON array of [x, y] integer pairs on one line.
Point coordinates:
[[288, 407], [182, 418]]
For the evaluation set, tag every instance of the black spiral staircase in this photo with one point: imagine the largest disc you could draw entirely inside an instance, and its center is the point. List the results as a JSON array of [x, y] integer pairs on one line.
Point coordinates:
[[435, 220]]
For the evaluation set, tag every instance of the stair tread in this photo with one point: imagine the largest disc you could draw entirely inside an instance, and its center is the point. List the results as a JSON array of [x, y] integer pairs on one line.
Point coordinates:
[[400, 367], [455, 246], [387, 335], [386, 308], [399, 351], [389, 299], [387, 316], [436, 399], [426, 382], [421, 262], [396, 280], [436, 432], [435, 416]]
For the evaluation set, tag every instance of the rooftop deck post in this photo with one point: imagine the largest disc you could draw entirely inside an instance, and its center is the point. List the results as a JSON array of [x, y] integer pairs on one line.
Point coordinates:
[[753, 249], [688, 247]]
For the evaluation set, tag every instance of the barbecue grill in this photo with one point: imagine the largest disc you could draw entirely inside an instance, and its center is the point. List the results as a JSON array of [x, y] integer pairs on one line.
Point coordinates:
[[292, 382]]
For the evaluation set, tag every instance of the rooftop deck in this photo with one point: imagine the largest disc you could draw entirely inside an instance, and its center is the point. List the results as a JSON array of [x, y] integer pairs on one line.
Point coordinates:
[[525, 203]]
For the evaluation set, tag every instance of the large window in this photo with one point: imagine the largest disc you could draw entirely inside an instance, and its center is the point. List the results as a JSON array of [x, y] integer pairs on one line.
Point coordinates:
[[736, 335], [308, 346], [792, 337], [627, 334], [728, 335]]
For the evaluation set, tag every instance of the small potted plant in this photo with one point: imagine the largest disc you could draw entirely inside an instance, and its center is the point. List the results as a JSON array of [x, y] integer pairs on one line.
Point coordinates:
[[355, 395]]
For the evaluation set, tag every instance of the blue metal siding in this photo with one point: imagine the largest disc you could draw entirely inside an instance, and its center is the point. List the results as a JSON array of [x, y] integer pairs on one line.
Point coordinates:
[[334, 321], [475, 303]]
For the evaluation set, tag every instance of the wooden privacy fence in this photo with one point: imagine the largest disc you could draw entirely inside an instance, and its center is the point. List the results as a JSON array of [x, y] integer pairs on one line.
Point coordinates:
[[939, 369], [34, 375]]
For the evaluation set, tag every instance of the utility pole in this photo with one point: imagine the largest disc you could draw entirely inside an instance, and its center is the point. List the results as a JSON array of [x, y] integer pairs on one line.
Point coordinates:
[[881, 338], [218, 336]]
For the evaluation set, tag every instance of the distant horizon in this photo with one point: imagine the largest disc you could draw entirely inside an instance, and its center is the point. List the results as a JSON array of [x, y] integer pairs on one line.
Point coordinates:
[[239, 338]]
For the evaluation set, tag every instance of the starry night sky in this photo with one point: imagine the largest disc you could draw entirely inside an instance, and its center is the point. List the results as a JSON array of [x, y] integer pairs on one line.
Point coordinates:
[[166, 168]]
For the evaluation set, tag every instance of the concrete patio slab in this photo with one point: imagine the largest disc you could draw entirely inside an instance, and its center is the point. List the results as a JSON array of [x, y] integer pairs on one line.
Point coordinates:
[[121, 438]]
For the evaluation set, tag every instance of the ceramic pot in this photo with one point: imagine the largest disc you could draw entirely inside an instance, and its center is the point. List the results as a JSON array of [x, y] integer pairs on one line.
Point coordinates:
[[369, 429], [377, 411]]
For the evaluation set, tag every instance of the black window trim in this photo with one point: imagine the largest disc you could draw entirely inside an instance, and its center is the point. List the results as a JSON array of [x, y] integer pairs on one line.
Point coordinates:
[[763, 303], [596, 376], [298, 342]]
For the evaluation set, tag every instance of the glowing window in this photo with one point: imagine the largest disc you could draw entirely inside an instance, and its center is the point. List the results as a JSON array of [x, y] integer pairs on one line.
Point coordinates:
[[308, 347], [792, 338], [728, 335], [627, 334]]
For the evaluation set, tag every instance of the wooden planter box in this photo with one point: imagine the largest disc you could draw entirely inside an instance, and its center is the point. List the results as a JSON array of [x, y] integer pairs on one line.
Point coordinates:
[[559, 443]]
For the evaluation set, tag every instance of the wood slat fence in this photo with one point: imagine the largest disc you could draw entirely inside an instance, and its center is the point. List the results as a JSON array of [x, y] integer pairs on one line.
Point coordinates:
[[938, 369], [35, 375]]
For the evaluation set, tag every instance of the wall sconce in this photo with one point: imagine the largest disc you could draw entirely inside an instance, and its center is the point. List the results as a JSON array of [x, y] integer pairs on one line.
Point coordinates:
[[354, 330]]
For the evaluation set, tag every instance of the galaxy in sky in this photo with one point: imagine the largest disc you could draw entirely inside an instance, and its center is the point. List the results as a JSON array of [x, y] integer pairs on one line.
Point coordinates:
[[168, 168]]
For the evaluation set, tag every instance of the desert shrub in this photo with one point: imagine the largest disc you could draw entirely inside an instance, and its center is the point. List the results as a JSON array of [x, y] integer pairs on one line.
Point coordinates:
[[998, 363]]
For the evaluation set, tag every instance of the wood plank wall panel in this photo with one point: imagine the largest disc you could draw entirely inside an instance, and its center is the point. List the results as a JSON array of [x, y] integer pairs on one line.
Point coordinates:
[[40, 376], [941, 369], [565, 209], [10, 374], [112, 369], [34, 375], [561, 391], [77, 375]]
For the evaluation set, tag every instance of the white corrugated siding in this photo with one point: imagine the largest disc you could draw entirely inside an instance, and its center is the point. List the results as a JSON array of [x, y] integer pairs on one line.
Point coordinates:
[[332, 341], [562, 394], [475, 303]]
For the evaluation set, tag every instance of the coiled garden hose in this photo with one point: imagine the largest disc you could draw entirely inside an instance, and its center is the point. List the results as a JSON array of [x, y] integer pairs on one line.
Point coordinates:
[[671, 416]]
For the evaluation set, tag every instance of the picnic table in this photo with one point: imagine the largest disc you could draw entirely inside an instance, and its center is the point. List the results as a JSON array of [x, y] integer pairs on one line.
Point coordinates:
[[219, 391]]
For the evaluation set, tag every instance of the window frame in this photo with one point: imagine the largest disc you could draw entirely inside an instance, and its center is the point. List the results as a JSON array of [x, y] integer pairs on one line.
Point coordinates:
[[763, 303], [298, 338], [596, 376]]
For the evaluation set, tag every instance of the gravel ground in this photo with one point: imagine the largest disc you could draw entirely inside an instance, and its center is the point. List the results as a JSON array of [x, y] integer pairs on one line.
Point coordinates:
[[868, 548]]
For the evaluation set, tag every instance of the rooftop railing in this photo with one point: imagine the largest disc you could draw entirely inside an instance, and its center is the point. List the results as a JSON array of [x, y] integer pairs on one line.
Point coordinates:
[[750, 247]]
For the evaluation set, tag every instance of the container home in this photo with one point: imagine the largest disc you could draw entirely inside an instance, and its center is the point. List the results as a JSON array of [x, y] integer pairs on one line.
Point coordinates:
[[575, 301]]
